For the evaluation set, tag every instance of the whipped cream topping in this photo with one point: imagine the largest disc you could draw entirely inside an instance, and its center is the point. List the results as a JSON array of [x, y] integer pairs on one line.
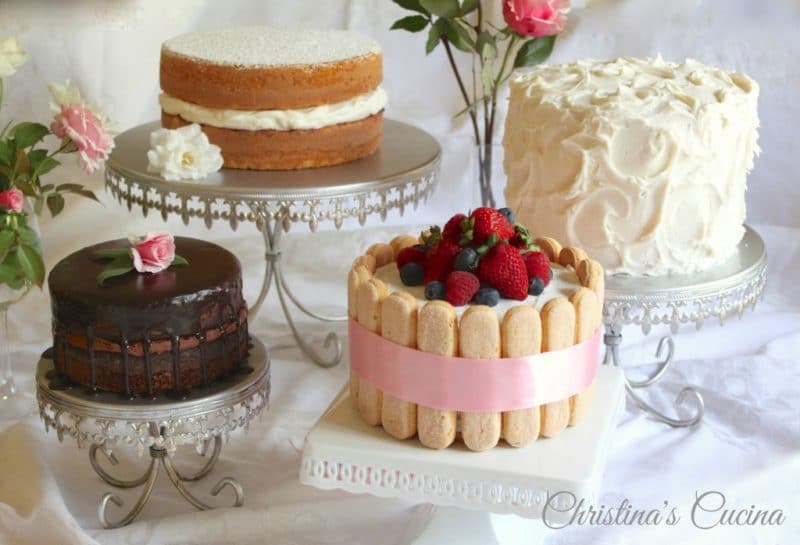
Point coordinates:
[[315, 117], [642, 163], [563, 284], [266, 46]]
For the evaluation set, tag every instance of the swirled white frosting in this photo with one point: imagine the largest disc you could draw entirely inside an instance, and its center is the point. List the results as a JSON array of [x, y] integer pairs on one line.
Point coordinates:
[[642, 163], [314, 117]]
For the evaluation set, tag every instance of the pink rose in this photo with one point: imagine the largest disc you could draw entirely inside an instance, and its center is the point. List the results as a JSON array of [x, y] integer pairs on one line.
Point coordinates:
[[536, 18], [85, 129], [153, 253], [12, 200]]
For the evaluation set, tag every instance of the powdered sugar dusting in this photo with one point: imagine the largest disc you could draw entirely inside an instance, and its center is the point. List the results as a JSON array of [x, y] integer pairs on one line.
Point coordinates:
[[266, 46]]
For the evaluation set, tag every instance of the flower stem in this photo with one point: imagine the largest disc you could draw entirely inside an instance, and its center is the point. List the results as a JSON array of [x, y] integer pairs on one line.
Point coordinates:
[[463, 89]]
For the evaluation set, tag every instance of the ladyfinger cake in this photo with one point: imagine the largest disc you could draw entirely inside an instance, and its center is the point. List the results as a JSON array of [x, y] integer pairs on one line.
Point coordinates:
[[276, 98], [642, 163], [474, 331]]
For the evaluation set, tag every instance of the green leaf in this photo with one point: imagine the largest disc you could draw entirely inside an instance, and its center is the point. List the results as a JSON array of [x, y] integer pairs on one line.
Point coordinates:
[[179, 260], [38, 204], [7, 238], [22, 164], [30, 261], [459, 36], [29, 237], [413, 5], [85, 193], [69, 187], [55, 203], [26, 187], [468, 6], [435, 35], [8, 151], [534, 51], [121, 265], [442, 8], [10, 273], [27, 133], [412, 23], [488, 51], [46, 165], [113, 253]]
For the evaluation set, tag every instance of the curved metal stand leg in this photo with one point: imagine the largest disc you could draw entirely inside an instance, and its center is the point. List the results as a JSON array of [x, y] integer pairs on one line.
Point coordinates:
[[613, 339], [227, 481], [109, 497], [107, 477], [206, 469], [271, 231]]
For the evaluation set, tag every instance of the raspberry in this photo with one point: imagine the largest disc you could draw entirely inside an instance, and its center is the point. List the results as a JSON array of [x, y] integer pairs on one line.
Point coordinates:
[[537, 265], [461, 287]]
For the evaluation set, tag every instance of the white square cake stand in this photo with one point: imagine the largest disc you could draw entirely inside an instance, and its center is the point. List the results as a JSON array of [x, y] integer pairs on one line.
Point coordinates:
[[474, 492]]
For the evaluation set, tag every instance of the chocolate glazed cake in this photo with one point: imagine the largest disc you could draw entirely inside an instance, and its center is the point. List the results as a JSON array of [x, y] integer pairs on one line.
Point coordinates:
[[144, 334]]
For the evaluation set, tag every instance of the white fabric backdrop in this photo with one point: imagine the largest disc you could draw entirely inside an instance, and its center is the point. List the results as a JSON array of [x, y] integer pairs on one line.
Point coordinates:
[[748, 445]]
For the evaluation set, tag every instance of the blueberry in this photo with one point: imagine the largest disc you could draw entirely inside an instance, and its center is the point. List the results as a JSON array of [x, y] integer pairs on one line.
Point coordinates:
[[434, 290], [487, 296], [509, 214], [536, 286], [412, 274], [466, 260]]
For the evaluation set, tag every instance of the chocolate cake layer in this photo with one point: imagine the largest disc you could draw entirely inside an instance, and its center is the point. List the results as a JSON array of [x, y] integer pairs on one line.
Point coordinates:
[[148, 333]]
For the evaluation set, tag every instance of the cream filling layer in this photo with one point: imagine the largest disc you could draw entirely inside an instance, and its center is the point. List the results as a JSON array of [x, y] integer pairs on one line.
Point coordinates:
[[316, 117]]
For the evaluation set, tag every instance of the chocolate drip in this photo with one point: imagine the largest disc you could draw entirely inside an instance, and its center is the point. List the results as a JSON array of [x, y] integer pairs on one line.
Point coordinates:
[[92, 360], [201, 339], [124, 345], [148, 364], [176, 363]]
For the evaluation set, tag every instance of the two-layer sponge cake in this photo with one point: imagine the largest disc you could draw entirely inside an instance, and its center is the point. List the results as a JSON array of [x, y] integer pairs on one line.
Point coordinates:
[[276, 98]]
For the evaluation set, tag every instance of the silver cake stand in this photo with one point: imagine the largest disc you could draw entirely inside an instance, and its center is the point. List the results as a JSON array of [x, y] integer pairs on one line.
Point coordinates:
[[105, 421], [402, 173], [726, 289]]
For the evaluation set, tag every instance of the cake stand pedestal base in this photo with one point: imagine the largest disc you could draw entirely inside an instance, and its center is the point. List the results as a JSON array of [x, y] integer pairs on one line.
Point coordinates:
[[205, 417], [729, 288], [482, 498]]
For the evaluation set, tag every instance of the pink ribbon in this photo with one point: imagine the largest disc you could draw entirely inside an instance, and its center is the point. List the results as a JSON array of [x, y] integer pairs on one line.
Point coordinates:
[[472, 384]]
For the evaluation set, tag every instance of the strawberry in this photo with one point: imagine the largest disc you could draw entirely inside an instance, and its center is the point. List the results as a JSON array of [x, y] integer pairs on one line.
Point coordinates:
[[461, 287], [452, 229], [483, 222], [503, 268], [537, 265], [521, 239], [439, 260], [411, 254]]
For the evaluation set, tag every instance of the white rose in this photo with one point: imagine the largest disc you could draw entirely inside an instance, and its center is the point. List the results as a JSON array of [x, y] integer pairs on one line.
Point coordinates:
[[11, 56], [182, 154], [64, 95]]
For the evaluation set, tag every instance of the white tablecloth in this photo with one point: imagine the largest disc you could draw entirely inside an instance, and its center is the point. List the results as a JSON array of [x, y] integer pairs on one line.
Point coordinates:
[[747, 446]]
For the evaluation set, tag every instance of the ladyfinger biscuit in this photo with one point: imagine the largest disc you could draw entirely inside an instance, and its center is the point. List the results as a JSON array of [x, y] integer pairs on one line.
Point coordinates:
[[521, 332], [402, 241], [357, 276], [399, 325], [591, 275], [558, 331], [570, 257], [550, 247], [586, 322], [382, 253], [437, 333], [370, 295], [367, 261], [479, 337]]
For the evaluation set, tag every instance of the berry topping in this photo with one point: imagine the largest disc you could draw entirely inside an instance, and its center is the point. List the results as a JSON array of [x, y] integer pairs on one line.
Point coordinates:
[[434, 290], [412, 274], [466, 260], [461, 287], [535, 286], [503, 268], [452, 229], [522, 238], [538, 266], [439, 260], [509, 214], [487, 296], [483, 222], [412, 254]]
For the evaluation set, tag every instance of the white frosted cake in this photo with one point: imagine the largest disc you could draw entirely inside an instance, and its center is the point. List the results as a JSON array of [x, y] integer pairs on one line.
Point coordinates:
[[642, 163], [276, 98]]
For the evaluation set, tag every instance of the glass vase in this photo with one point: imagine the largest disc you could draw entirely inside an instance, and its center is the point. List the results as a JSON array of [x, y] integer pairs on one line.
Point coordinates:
[[8, 298], [488, 175]]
